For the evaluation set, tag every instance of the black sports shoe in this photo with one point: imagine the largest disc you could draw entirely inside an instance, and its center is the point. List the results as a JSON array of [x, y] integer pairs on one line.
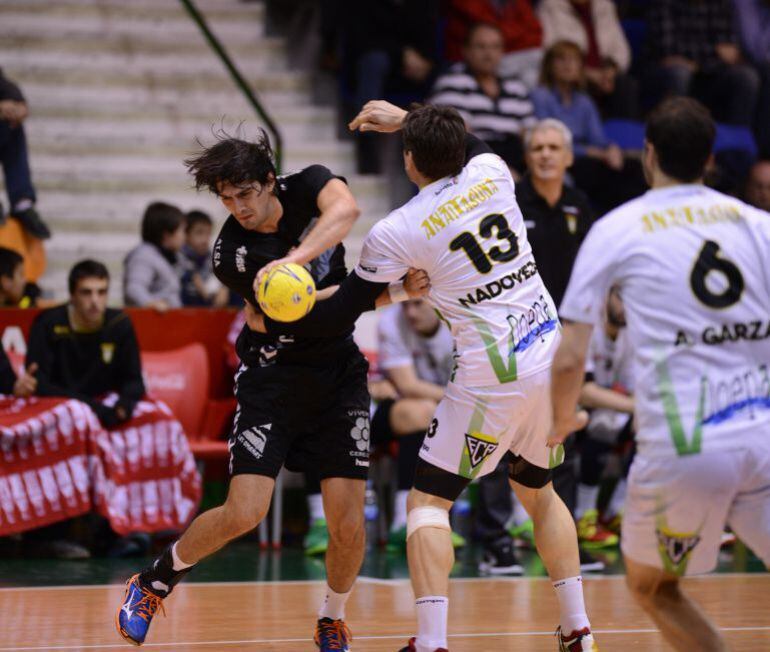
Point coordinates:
[[32, 223], [589, 563], [500, 559]]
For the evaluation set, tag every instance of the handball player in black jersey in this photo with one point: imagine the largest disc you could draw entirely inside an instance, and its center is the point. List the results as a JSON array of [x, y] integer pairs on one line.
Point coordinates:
[[302, 401]]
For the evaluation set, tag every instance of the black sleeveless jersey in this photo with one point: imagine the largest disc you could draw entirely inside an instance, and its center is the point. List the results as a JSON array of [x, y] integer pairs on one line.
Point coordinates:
[[239, 254]]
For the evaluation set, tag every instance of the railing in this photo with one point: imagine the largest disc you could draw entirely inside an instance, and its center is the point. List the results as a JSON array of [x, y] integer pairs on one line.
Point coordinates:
[[240, 82]]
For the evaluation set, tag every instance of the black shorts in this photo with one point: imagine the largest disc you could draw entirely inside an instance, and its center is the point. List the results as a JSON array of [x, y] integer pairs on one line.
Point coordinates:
[[303, 418]]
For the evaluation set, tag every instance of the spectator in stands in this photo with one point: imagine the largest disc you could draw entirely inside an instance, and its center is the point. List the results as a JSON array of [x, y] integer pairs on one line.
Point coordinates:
[[85, 350], [393, 45], [497, 109], [152, 271], [10, 384], [15, 160], [758, 185], [416, 356], [594, 27], [522, 34], [754, 27], [12, 281], [695, 47], [199, 285], [556, 215], [557, 218], [600, 169]]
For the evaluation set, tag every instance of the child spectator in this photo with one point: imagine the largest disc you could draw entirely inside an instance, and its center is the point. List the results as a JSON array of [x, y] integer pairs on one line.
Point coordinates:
[[199, 285], [152, 270], [15, 292]]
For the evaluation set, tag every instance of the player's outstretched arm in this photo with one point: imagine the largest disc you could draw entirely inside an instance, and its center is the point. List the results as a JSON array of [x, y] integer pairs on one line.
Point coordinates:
[[378, 115], [382, 116], [338, 211]]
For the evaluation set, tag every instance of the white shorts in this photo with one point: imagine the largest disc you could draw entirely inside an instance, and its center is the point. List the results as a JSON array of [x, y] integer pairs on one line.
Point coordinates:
[[475, 426], [677, 507]]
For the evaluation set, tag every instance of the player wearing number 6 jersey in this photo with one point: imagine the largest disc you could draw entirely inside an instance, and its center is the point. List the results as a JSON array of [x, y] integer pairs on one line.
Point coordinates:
[[693, 268], [465, 229]]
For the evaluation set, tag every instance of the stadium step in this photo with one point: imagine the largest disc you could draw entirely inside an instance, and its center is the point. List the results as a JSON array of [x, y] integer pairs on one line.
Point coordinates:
[[119, 92]]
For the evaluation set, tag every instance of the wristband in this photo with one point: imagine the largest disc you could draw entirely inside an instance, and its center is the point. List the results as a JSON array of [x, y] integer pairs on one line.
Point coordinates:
[[398, 292]]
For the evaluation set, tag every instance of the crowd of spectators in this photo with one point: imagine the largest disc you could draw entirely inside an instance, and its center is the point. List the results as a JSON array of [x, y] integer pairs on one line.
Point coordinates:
[[584, 62]]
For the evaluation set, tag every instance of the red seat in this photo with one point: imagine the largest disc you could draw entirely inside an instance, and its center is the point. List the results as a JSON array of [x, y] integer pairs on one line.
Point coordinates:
[[180, 378]]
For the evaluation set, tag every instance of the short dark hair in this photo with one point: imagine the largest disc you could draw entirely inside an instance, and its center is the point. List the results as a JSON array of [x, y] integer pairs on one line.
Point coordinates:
[[9, 261], [86, 269], [435, 135], [160, 218], [196, 217], [476, 27], [682, 132], [234, 161]]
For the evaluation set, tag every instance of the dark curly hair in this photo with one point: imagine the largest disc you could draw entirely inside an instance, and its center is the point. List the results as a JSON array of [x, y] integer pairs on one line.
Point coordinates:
[[435, 135], [232, 160]]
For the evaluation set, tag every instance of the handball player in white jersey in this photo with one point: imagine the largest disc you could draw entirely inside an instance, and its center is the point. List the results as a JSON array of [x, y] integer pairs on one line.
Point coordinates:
[[693, 268], [466, 231]]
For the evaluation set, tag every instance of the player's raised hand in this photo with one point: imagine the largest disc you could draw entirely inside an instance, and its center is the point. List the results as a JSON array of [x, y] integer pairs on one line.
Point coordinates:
[[378, 115], [560, 431], [417, 283]]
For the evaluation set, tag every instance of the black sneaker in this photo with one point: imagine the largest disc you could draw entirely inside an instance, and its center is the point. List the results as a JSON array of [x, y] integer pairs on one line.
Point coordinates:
[[589, 563], [500, 559], [32, 223]]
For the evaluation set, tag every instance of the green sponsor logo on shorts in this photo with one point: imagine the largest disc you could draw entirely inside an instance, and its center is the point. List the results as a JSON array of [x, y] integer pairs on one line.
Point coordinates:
[[671, 409], [555, 456]]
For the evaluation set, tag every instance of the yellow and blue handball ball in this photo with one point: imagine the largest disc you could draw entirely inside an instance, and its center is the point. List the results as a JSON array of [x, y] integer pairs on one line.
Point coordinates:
[[287, 292]]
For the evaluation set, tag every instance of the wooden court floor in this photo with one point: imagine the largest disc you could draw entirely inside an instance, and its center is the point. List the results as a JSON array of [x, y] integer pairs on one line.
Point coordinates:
[[485, 614]]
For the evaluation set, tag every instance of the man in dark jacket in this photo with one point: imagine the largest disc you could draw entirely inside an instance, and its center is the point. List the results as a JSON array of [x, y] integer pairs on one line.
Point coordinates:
[[85, 350], [14, 159]]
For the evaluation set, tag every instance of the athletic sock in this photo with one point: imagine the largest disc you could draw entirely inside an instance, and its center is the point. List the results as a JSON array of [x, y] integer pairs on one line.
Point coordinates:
[[165, 573], [586, 499], [569, 591], [431, 622], [399, 509], [315, 505], [334, 605]]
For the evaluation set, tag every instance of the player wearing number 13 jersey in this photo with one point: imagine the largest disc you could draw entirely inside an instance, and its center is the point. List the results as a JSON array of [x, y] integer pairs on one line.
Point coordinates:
[[466, 231], [693, 268]]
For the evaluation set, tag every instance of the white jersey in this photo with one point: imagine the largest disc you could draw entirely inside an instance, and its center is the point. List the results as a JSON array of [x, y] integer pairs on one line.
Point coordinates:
[[399, 345], [610, 363], [693, 266], [468, 233]]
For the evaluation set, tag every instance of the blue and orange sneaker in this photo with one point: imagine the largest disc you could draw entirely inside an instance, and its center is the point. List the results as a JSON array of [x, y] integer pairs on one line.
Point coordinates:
[[135, 614], [332, 635]]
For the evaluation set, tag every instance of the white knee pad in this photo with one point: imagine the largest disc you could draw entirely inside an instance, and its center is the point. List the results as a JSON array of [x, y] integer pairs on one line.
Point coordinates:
[[426, 517]]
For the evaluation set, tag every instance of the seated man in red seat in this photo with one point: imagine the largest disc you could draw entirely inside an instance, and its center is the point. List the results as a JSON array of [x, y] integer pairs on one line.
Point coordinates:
[[85, 350]]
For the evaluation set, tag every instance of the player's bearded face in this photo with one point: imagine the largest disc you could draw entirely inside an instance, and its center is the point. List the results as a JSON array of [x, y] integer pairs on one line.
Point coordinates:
[[249, 203]]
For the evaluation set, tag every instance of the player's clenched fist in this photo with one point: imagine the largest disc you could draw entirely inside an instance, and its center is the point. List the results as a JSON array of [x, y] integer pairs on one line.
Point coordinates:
[[378, 115]]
